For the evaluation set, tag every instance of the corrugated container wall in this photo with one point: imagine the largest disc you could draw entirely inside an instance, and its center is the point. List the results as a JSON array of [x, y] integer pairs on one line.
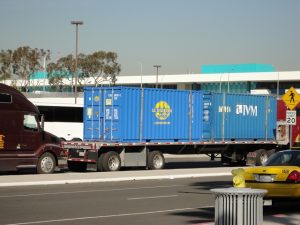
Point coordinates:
[[243, 116], [125, 114]]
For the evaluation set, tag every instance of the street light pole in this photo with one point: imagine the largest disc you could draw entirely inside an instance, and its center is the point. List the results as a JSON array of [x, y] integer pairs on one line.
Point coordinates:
[[157, 66], [76, 55]]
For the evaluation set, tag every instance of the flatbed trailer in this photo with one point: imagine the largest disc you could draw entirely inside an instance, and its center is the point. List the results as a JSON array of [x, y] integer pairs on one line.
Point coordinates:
[[103, 156]]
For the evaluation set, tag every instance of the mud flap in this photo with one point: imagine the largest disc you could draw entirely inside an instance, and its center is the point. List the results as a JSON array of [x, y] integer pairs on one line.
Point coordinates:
[[92, 167]]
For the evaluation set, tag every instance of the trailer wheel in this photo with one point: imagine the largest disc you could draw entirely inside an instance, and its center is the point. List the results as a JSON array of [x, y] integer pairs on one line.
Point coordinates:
[[100, 163], [156, 160], [111, 161], [77, 166], [225, 160], [76, 139], [262, 156], [46, 164]]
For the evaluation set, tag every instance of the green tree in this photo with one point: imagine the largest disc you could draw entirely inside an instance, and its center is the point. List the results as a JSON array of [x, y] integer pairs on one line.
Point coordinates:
[[100, 66], [60, 71], [26, 61], [6, 66]]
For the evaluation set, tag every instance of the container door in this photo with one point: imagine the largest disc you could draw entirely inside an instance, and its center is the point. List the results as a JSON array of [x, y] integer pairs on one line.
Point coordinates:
[[112, 106], [93, 114]]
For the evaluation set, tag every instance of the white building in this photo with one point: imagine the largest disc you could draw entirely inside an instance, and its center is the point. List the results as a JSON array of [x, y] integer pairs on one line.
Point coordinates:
[[262, 82]]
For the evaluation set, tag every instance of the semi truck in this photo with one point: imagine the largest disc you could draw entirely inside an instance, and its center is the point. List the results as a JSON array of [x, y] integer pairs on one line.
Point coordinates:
[[23, 142], [128, 126]]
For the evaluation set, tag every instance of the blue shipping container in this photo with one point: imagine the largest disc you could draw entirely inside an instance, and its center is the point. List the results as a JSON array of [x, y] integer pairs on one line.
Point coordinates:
[[243, 117], [125, 114]]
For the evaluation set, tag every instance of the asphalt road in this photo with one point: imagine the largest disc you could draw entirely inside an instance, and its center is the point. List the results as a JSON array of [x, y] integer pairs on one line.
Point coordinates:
[[178, 201], [131, 202]]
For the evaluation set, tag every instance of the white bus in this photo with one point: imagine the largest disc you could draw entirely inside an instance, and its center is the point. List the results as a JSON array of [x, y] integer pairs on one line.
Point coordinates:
[[62, 116]]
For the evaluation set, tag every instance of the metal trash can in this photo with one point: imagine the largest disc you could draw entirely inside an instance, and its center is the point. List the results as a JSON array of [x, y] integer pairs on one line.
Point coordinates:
[[238, 206]]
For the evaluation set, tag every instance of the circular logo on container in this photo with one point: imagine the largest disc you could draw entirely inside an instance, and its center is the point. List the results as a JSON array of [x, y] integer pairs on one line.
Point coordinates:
[[162, 110], [96, 98]]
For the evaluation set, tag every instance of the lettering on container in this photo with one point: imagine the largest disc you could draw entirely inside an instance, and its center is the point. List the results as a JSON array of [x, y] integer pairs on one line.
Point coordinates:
[[114, 96], [116, 114], [111, 116], [224, 108], [107, 114], [206, 115], [246, 110]]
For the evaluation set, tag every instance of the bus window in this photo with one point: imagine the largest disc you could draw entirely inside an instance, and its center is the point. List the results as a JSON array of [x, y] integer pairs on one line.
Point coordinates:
[[62, 114], [64, 121]]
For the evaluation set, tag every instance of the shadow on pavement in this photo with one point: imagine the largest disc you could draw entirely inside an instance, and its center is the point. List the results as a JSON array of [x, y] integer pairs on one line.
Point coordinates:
[[200, 215], [190, 165], [282, 211]]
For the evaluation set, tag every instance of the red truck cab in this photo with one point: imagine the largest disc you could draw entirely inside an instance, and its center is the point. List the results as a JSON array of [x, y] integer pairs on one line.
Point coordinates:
[[23, 142]]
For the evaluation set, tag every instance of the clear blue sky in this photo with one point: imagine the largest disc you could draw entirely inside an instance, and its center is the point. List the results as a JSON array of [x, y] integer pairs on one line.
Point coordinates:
[[180, 35]]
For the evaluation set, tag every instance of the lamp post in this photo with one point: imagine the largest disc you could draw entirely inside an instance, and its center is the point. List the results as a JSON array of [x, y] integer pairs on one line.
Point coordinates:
[[141, 75], [157, 66], [228, 82], [277, 85], [76, 55]]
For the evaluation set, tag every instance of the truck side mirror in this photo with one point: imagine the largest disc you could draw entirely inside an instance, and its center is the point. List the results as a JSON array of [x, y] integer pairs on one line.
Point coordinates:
[[42, 121]]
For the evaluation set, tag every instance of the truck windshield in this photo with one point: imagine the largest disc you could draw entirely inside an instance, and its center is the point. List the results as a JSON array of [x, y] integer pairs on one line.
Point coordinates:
[[30, 122]]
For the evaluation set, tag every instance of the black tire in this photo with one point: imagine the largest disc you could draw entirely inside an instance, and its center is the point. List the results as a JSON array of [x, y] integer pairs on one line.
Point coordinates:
[[77, 166], [46, 164], [156, 160], [226, 161], [100, 163], [111, 161], [262, 156], [76, 139]]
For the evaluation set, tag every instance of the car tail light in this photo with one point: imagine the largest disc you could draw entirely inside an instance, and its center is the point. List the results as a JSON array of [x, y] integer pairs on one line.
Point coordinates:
[[294, 177]]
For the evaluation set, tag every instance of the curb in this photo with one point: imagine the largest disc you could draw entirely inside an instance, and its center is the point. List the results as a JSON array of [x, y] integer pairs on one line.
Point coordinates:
[[115, 179]]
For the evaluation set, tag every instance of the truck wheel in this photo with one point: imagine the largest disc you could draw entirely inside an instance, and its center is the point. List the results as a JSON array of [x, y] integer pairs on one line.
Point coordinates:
[[262, 156], [111, 161], [156, 160], [77, 166], [46, 164]]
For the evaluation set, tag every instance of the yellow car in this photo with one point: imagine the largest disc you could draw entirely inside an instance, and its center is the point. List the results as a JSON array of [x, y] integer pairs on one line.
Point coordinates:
[[280, 175]]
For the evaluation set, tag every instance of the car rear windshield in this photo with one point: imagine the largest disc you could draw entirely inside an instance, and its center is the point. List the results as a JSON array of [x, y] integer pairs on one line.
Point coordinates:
[[286, 158]]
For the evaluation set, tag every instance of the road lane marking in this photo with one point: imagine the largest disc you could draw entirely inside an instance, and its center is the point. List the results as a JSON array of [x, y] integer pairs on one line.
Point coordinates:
[[106, 216], [89, 191], [150, 197]]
